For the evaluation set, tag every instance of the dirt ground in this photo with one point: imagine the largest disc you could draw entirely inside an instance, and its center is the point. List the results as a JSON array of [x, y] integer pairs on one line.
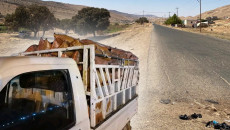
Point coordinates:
[[153, 114], [11, 44], [137, 39]]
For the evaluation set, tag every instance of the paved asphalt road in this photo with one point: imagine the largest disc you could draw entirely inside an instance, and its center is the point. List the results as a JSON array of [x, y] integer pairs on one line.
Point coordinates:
[[191, 63], [188, 69]]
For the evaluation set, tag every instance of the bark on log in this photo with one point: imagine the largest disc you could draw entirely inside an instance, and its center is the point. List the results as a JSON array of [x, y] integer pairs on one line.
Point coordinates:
[[44, 45], [32, 48]]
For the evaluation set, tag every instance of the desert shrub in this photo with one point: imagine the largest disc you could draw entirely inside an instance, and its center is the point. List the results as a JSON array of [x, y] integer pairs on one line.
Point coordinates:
[[142, 20], [173, 20], [116, 28], [3, 28]]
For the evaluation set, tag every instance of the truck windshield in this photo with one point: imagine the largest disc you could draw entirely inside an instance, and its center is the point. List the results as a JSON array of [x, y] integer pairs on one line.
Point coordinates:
[[37, 101]]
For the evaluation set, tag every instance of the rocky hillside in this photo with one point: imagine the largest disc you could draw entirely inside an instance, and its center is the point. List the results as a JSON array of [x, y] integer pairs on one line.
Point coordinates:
[[221, 12], [60, 10]]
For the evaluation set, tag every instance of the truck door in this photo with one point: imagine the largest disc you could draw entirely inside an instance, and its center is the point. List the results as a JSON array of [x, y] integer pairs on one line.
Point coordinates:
[[38, 100]]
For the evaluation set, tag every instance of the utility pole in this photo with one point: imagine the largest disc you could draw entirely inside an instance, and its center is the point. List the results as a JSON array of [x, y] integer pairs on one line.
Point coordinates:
[[169, 14], [177, 11], [143, 13], [200, 16]]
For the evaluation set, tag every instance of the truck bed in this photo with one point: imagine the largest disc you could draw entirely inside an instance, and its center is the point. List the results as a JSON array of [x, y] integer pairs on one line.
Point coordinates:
[[111, 90]]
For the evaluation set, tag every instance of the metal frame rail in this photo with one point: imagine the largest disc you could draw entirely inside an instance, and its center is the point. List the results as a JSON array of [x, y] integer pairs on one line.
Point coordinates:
[[110, 88]]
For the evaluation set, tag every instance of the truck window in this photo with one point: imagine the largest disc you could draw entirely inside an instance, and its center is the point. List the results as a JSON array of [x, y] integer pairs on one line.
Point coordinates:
[[37, 101]]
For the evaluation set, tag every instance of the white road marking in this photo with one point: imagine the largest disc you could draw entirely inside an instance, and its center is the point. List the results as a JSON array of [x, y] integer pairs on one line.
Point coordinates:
[[226, 81], [196, 58]]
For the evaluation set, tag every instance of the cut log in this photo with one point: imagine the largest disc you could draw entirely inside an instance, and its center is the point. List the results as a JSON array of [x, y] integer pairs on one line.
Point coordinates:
[[44, 45], [32, 48], [61, 38], [55, 44]]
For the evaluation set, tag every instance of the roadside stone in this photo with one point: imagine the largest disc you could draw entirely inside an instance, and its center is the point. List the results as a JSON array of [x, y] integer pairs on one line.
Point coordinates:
[[211, 108], [216, 113], [211, 101], [165, 101]]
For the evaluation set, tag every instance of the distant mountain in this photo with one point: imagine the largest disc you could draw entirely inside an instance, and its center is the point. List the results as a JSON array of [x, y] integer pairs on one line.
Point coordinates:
[[221, 12], [62, 10], [133, 15]]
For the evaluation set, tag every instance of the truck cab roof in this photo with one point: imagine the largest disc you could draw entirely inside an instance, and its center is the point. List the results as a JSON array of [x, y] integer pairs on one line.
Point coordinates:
[[9, 62]]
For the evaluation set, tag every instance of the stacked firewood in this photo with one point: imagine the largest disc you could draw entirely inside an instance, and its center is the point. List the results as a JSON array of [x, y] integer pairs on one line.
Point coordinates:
[[103, 54]]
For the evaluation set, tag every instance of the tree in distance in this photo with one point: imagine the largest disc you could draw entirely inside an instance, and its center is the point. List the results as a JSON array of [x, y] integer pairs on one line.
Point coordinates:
[[1, 16], [173, 20], [142, 20], [17, 19], [90, 20], [10, 22], [40, 17], [33, 17], [49, 23], [65, 24]]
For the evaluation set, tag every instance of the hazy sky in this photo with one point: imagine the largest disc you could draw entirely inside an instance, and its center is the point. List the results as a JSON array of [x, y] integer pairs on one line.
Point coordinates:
[[155, 7]]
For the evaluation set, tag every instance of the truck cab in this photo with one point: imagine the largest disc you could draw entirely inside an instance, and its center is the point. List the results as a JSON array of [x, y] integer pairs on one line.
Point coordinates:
[[48, 93], [41, 93]]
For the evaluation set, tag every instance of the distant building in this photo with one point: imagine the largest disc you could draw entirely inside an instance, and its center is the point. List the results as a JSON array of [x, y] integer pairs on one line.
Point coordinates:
[[226, 17], [203, 24], [209, 18], [212, 18], [189, 23]]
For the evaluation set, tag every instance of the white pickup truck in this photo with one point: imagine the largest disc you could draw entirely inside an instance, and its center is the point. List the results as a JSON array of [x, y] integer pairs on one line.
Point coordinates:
[[39, 93]]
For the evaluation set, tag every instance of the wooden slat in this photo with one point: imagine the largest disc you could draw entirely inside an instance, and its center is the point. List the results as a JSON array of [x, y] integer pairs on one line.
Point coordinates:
[[93, 96], [122, 79], [119, 79], [85, 68], [123, 85], [109, 80], [99, 86], [104, 82], [130, 77], [113, 90]]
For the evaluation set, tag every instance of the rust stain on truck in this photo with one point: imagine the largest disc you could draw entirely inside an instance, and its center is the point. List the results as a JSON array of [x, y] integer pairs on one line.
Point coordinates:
[[108, 105]]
